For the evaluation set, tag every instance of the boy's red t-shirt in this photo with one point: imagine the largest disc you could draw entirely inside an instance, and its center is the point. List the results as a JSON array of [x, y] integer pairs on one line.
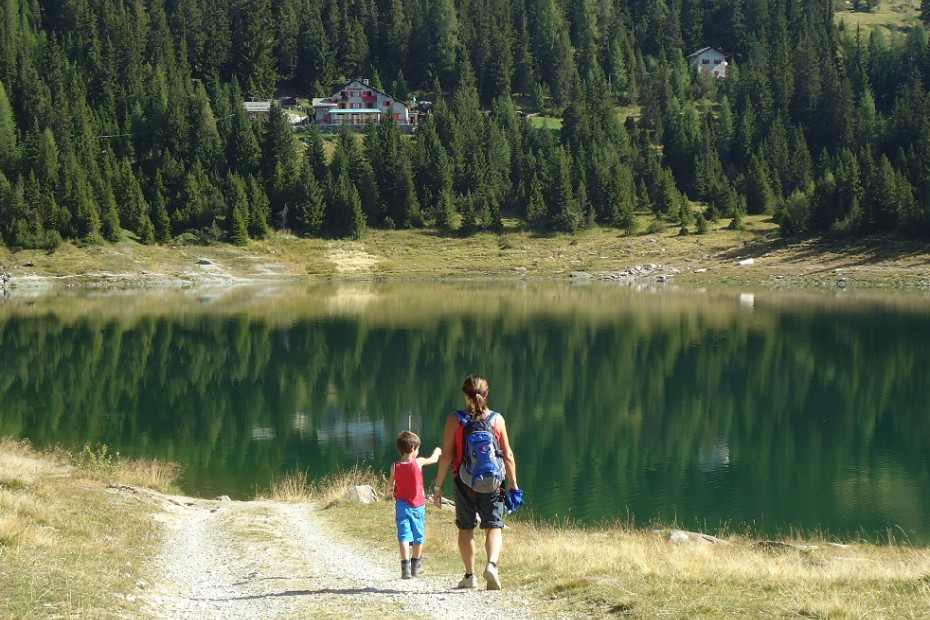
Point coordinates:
[[408, 483]]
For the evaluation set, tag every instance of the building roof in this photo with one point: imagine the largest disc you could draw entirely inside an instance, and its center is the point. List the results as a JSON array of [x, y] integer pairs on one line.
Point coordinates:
[[257, 106], [699, 52]]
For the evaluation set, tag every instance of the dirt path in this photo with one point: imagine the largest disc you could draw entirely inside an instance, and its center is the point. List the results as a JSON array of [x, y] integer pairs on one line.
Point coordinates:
[[258, 559]]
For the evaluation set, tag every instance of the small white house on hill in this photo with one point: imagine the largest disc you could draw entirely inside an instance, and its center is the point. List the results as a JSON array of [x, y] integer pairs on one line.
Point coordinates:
[[356, 103], [708, 59]]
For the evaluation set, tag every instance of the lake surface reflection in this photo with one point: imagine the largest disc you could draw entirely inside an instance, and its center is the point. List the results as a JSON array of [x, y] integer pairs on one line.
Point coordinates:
[[717, 410]]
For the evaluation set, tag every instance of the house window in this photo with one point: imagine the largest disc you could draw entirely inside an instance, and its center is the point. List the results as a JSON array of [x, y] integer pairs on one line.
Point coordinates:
[[717, 62], [705, 61], [387, 103]]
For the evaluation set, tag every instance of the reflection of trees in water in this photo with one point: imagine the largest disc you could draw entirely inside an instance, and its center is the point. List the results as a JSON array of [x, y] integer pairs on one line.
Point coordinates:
[[785, 402], [359, 436], [710, 459]]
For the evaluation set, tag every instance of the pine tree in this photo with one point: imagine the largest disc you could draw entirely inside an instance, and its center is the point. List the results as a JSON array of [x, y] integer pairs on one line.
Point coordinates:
[[238, 211], [252, 46], [316, 153], [308, 214], [758, 191], [432, 172], [160, 218], [344, 215], [564, 211], [259, 209], [392, 174], [9, 143]]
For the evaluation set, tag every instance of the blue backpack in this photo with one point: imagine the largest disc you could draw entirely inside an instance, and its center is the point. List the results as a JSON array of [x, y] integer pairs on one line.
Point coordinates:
[[482, 468]]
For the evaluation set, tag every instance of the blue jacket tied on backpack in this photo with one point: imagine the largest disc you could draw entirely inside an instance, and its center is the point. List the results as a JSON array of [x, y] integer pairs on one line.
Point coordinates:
[[482, 468]]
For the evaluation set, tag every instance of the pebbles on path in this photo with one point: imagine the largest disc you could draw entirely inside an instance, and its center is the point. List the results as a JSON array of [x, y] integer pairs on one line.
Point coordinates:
[[230, 560]]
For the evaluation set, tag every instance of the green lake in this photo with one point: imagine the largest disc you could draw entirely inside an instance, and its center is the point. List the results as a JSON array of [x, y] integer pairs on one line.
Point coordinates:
[[765, 412]]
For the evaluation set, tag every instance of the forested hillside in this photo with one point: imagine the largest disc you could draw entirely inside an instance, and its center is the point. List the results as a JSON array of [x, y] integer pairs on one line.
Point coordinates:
[[126, 117]]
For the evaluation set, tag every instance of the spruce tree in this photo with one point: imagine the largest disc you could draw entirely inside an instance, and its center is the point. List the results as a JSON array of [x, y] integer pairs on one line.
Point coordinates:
[[237, 215], [9, 142]]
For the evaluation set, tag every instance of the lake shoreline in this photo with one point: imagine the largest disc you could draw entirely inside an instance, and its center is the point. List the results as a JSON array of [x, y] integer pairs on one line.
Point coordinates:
[[89, 536], [755, 257]]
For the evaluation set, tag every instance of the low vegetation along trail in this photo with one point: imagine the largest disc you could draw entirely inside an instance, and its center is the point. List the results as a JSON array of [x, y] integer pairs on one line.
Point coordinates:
[[262, 559]]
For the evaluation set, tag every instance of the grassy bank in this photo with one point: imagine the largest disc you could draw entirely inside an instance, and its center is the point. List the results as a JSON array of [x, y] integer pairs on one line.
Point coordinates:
[[753, 255], [71, 547], [644, 573]]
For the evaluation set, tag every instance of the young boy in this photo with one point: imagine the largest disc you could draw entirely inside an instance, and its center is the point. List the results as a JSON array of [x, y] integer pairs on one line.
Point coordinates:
[[406, 486]]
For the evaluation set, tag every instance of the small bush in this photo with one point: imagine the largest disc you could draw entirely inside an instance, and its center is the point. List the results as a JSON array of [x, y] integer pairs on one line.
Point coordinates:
[[655, 226]]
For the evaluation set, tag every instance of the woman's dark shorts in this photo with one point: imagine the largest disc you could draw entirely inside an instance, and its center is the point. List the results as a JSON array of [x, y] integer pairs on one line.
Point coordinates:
[[470, 505]]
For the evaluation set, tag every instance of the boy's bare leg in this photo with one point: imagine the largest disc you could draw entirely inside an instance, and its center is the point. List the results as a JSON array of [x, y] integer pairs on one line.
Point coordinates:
[[404, 550], [416, 550]]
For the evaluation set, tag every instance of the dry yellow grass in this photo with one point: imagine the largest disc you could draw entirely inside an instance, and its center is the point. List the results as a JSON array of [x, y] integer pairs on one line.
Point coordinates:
[[641, 573], [297, 486], [69, 548]]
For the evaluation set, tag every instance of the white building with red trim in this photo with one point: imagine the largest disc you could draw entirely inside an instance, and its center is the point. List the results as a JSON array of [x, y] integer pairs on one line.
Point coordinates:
[[356, 103]]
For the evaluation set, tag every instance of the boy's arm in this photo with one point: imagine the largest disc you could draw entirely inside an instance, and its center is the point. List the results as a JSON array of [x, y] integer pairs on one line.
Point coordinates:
[[432, 459], [390, 484]]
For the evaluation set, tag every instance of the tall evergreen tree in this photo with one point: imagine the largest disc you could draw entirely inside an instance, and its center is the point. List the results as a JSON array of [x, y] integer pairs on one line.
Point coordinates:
[[308, 213], [253, 45], [9, 141], [564, 211], [237, 215]]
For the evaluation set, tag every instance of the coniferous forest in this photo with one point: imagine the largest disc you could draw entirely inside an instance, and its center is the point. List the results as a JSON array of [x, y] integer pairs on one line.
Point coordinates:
[[126, 117]]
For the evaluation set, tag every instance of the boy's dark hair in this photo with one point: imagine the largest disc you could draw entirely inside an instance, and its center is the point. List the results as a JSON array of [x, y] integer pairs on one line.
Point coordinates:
[[407, 442]]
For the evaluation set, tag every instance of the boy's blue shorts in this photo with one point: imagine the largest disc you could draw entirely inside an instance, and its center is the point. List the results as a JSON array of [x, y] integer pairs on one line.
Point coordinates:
[[410, 522]]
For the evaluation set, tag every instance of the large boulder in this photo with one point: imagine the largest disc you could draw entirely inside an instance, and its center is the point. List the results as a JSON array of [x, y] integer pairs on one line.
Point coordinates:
[[364, 493]]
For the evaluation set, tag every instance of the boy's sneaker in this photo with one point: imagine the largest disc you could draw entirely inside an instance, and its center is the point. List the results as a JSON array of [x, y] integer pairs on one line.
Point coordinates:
[[468, 582], [491, 576], [416, 566], [405, 570]]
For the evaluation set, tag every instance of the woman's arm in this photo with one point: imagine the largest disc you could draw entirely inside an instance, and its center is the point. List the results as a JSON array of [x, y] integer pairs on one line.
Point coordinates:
[[510, 463], [445, 459]]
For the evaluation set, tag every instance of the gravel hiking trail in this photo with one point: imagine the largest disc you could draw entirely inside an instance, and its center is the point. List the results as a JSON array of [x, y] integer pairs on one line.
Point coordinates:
[[262, 559]]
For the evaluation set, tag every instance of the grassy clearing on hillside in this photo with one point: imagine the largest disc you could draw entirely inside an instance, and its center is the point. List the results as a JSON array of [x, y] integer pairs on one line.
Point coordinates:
[[68, 548], [894, 15]]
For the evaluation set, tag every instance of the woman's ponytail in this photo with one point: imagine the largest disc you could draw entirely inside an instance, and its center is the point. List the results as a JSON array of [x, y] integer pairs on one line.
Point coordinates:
[[475, 389]]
